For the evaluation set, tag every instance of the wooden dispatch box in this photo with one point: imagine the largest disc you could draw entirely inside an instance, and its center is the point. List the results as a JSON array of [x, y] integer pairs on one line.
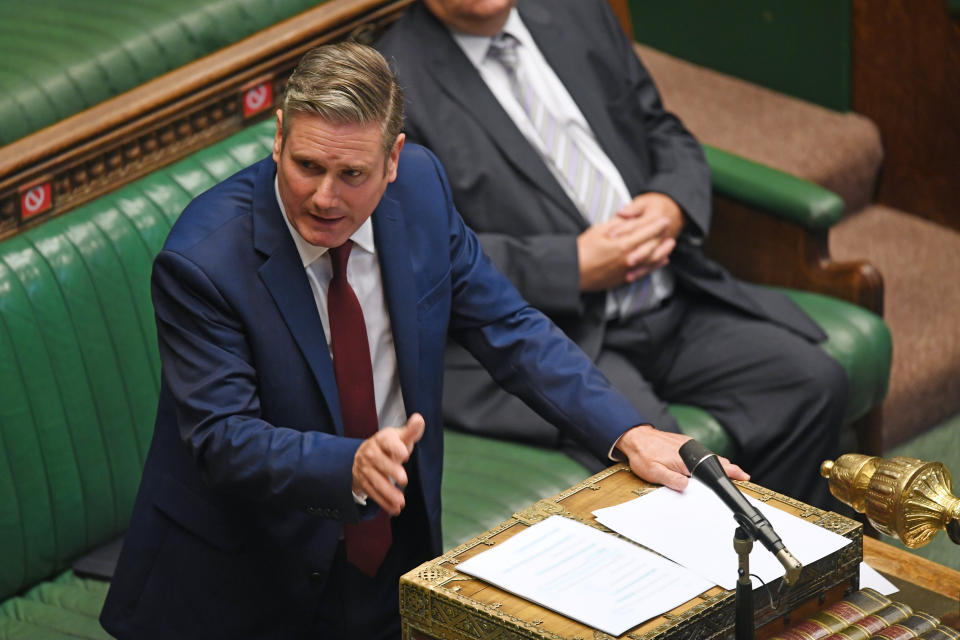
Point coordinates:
[[438, 602]]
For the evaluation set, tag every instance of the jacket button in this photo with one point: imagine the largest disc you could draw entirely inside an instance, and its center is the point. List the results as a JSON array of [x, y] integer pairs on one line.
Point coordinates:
[[316, 576]]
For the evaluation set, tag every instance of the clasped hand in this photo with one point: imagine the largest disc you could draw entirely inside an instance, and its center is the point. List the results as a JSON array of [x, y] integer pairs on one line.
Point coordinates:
[[378, 471], [637, 240]]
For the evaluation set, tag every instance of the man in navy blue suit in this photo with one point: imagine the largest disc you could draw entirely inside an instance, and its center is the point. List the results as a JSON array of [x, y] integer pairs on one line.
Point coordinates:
[[290, 483]]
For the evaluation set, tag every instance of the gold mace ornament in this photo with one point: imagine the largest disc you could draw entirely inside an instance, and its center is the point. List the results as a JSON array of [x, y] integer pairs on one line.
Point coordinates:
[[903, 497]]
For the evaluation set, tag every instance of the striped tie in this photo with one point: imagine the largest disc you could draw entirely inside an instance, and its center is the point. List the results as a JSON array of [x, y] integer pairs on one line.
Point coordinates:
[[595, 196]]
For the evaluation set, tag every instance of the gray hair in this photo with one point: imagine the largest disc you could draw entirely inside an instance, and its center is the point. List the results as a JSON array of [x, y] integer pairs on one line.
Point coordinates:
[[346, 83]]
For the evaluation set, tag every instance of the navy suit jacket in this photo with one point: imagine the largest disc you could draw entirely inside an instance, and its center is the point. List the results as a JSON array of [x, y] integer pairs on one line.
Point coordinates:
[[247, 483]]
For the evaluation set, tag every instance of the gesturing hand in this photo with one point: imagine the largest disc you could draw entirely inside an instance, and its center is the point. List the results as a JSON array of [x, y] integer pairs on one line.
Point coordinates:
[[378, 464]]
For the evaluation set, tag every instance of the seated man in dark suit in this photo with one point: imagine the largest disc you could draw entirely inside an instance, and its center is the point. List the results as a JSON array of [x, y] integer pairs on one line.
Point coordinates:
[[595, 201], [290, 483]]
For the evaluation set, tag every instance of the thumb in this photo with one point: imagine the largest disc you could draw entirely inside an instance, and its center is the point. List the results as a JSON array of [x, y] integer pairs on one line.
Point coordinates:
[[412, 431]]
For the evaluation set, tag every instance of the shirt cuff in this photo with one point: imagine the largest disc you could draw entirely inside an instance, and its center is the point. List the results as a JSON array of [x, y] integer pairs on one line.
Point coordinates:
[[359, 498], [615, 454]]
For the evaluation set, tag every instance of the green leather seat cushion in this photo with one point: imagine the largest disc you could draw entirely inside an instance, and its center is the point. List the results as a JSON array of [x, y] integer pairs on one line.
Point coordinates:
[[61, 609], [63, 56], [859, 340]]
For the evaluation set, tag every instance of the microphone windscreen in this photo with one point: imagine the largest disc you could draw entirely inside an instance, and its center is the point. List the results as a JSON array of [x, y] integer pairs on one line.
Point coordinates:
[[692, 452]]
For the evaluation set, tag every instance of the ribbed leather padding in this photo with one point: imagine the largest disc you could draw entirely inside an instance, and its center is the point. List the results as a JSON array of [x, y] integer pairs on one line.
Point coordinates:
[[485, 481], [59, 57], [79, 371]]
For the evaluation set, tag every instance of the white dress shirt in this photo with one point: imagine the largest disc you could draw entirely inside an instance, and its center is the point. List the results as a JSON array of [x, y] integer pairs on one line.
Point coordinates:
[[363, 274], [552, 92]]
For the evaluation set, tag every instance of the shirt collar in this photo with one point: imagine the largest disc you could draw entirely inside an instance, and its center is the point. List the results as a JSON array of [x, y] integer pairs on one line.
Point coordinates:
[[476, 47], [309, 253]]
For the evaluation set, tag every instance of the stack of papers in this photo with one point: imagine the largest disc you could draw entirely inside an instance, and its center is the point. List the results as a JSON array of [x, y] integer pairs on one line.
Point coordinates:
[[695, 528], [585, 574], [613, 585]]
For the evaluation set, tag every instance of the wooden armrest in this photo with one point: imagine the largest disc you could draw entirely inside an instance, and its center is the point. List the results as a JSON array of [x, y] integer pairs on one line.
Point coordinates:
[[772, 228]]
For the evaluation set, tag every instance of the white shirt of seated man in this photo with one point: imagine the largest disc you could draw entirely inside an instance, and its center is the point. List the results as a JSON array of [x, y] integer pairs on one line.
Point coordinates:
[[551, 91]]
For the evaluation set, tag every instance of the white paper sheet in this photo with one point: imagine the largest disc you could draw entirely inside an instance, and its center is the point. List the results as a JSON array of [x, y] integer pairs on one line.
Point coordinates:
[[585, 574], [695, 528], [870, 577]]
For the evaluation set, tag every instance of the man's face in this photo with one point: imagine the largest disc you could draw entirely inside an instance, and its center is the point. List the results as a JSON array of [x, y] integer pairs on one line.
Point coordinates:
[[331, 176], [479, 17]]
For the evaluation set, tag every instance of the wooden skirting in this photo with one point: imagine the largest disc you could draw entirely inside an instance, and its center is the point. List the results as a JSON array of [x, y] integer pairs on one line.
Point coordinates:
[[912, 568]]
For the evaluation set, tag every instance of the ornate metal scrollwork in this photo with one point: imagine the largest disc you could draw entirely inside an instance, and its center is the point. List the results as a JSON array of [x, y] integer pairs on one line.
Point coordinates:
[[906, 498]]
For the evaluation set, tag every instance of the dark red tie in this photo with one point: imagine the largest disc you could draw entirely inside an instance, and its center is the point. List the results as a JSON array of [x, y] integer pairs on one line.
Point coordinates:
[[369, 540]]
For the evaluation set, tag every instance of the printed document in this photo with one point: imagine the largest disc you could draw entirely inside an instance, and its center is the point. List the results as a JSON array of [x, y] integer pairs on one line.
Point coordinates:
[[586, 574], [695, 528]]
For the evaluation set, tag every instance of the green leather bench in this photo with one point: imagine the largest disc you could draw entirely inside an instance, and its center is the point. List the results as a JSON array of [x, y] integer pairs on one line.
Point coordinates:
[[79, 375], [63, 56]]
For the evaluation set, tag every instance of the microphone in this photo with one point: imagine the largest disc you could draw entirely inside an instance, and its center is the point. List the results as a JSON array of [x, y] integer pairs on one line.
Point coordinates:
[[704, 465]]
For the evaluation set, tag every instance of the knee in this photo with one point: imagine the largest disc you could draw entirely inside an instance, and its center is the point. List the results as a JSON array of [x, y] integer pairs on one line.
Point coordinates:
[[828, 382]]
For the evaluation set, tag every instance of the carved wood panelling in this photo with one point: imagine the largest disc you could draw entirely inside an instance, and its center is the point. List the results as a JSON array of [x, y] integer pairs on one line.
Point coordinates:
[[127, 137]]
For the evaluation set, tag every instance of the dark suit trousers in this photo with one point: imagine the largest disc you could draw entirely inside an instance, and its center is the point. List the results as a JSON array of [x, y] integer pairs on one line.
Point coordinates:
[[780, 397], [354, 605]]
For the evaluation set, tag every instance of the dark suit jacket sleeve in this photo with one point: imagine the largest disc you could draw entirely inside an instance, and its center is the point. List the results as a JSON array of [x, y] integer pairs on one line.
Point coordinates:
[[524, 351], [542, 264], [208, 368]]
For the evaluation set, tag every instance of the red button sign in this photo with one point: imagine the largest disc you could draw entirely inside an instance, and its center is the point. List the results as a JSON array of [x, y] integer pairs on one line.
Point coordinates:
[[35, 200], [256, 99]]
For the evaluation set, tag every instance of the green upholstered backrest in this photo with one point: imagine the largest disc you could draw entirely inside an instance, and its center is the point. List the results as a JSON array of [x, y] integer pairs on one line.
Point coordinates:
[[59, 57], [79, 370], [486, 480]]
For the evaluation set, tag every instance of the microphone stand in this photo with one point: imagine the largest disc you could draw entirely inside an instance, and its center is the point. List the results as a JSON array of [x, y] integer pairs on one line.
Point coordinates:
[[742, 544]]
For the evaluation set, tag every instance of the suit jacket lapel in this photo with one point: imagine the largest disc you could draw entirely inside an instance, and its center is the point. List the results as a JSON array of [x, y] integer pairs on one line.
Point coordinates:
[[457, 77], [400, 289], [554, 41], [283, 274]]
